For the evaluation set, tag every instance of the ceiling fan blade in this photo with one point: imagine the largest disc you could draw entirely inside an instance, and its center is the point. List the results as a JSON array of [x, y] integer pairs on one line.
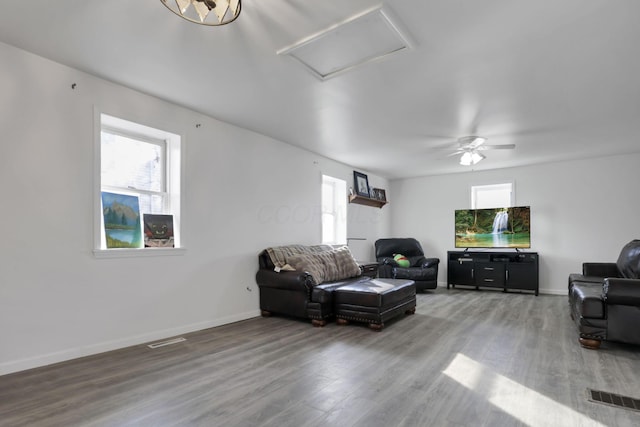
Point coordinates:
[[497, 147], [455, 153], [471, 142], [451, 145]]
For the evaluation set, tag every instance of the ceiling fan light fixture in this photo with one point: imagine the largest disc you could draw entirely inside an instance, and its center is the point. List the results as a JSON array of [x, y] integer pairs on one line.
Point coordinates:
[[465, 159], [224, 11], [469, 158], [476, 157]]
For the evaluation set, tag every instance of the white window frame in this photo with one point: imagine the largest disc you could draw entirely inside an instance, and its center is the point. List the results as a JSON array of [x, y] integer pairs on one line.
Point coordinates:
[[173, 170], [336, 208], [481, 195]]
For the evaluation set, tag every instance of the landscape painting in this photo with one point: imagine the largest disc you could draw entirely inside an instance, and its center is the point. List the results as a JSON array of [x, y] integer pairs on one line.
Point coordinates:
[[122, 226]]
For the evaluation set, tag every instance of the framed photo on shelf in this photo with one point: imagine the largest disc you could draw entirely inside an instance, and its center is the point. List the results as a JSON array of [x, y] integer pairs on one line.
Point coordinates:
[[361, 184], [379, 194]]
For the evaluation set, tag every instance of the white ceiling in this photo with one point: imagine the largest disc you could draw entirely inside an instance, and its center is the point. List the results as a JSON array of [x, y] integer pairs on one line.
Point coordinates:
[[560, 79]]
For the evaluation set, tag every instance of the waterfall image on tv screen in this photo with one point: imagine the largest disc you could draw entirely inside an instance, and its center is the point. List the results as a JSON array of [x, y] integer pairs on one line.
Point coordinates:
[[493, 228]]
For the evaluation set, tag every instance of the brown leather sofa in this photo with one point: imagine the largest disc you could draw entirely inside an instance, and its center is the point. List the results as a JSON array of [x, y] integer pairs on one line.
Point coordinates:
[[304, 293], [605, 299], [295, 293]]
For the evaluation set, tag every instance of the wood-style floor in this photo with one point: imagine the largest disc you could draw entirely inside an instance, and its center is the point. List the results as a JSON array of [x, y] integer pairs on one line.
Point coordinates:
[[466, 358]]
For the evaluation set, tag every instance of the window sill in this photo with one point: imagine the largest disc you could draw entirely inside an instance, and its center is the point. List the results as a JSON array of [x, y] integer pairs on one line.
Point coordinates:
[[135, 253]]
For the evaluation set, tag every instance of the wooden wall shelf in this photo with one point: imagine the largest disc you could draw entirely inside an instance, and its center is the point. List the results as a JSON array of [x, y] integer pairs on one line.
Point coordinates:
[[366, 201]]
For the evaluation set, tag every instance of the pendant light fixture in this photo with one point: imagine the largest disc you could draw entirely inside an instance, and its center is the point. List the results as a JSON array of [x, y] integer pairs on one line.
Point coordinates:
[[206, 12]]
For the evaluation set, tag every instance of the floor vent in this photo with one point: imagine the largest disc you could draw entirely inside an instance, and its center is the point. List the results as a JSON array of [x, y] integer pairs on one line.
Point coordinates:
[[167, 342], [612, 399]]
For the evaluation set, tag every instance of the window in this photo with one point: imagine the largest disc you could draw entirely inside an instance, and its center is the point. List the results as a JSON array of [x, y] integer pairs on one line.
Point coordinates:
[[492, 196], [136, 165], [136, 160], [334, 211]]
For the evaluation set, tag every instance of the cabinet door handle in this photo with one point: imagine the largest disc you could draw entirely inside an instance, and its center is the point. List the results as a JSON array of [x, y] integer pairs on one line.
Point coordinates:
[[488, 280], [507, 274], [472, 273], [489, 268]]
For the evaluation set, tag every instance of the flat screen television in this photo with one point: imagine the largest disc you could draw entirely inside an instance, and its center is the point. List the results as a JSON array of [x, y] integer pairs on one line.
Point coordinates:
[[493, 228]]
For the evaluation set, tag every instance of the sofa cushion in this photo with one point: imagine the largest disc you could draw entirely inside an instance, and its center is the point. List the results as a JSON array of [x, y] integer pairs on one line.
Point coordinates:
[[622, 292], [629, 260], [323, 293], [416, 274], [327, 266], [415, 261]]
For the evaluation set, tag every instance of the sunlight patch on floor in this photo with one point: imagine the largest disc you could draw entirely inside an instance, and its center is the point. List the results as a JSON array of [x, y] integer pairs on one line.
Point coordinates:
[[523, 403]]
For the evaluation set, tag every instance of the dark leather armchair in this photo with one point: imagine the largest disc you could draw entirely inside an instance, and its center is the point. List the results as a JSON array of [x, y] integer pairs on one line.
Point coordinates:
[[605, 299], [422, 270]]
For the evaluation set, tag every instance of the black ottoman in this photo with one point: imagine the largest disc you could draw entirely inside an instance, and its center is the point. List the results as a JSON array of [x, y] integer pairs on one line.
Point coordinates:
[[374, 301]]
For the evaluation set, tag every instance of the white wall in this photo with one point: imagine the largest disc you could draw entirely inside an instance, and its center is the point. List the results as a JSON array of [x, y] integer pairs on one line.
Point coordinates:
[[583, 210], [242, 193]]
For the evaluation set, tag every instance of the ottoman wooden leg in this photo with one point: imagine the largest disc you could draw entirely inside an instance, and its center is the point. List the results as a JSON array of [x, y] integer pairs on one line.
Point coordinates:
[[411, 311], [340, 321], [590, 343], [318, 323], [265, 313], [376, 326]]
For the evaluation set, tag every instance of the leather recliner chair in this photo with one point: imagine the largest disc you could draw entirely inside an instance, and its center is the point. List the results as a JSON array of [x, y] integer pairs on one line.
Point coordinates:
[[422, 270], [605, 299]]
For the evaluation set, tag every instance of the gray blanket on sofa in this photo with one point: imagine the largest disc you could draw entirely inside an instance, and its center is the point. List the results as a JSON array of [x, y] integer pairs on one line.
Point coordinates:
[[279, 254]]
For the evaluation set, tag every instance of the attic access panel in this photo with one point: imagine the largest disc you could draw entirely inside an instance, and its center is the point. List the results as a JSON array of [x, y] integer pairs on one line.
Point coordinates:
[[361, 39]]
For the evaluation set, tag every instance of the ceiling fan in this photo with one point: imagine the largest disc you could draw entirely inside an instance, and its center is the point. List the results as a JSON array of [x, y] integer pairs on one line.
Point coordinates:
[[470, 146]]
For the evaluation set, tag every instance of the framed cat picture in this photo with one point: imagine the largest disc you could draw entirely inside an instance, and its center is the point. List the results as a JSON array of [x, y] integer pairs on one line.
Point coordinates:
[[158, 231]]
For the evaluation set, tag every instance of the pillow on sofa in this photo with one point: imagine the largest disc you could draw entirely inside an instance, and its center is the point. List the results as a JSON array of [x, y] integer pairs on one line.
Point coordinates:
[[314, 264], [326, 266], [629, 260], [346, 265]]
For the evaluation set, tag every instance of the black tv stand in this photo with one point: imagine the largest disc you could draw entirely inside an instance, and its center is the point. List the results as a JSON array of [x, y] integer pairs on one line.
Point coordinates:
[[467, 249], [492, 269]]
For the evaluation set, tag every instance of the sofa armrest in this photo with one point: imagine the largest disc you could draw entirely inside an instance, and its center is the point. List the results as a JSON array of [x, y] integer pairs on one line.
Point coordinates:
[[385, 271], [430, 262], [600, 269], [387, 261], [290, 280], [621, 291]]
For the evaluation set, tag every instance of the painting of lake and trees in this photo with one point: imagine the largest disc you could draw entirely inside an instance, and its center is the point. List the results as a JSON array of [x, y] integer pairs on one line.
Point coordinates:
[[122, 227]]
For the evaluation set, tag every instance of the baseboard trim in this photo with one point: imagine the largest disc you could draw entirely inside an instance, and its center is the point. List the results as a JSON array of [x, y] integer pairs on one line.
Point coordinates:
[[77, 352], [545, 291]]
